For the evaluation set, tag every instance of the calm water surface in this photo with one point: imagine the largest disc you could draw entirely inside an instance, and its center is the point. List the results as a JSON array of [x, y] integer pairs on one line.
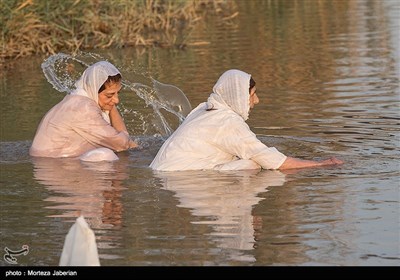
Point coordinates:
[[327, 75]]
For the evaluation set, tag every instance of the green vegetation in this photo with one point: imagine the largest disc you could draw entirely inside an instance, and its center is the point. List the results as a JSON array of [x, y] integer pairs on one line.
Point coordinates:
[[48, 26]]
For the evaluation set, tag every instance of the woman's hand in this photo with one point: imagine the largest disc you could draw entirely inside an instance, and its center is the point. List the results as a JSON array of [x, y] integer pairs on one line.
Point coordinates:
[[133, 144], [332, 161], [291, 162]]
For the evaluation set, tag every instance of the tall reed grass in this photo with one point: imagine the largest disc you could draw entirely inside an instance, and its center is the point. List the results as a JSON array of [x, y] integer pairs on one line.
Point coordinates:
[[48, 26]]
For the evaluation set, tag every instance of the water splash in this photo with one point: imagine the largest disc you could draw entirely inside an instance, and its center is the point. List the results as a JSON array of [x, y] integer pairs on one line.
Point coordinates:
[[62, 70]]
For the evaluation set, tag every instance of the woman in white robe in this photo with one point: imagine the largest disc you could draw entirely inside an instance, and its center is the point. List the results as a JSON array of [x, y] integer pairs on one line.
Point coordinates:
[[215, 135], [86, 119]]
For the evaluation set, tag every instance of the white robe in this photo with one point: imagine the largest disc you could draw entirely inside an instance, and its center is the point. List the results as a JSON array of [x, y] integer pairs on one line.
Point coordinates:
[[77, 124], [73, 127], [218, 139]]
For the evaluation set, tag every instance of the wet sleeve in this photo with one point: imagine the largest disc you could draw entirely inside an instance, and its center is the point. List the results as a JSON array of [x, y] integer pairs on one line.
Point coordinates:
[[239, 140], [89, 123]]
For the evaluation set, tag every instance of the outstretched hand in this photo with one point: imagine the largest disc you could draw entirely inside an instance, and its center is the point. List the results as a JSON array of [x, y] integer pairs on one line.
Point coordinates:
[[133, 144], [291, 162], [332, 161]]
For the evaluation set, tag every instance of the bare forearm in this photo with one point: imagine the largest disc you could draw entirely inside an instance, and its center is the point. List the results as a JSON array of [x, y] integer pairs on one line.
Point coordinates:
[[118, 123], [116, 120], [291, 163]]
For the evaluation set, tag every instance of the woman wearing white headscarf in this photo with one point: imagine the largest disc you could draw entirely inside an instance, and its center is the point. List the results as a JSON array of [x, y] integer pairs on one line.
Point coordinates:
[[86, 119], [215, 135]]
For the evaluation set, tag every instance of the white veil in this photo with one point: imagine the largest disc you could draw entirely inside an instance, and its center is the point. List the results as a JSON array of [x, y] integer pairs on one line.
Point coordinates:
[[92, 79]]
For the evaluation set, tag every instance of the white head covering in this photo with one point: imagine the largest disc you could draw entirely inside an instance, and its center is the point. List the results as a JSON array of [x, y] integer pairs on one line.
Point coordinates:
[[232, 90], [92, 79]]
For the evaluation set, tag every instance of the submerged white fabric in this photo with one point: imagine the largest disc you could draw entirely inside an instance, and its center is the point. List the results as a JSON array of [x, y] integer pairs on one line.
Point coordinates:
[[76, 124], [80, 248], [220, 138], [92, 79], [99, 154]]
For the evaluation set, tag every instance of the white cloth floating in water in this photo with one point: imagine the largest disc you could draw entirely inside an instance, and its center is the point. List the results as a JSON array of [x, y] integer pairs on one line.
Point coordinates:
[[99, 154], [80, 247]]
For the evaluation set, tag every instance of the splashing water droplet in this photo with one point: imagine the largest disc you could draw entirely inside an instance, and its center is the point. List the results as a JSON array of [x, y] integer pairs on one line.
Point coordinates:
[[62, 71]]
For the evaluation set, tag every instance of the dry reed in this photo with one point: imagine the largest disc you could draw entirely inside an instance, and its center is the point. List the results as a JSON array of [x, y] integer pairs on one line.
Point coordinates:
[[31, 27]]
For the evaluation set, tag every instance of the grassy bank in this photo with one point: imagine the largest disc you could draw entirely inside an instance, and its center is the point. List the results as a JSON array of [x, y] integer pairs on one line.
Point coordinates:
[[48, 26]]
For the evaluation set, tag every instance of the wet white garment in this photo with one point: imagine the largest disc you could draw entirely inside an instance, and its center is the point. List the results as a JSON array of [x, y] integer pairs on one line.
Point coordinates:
[[219, 138], [80, 248], [99, 154], [77, 124], [92, 79]]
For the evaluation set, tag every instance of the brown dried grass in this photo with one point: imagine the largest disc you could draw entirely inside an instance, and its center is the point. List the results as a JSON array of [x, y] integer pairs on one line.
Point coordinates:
[[48, 26]]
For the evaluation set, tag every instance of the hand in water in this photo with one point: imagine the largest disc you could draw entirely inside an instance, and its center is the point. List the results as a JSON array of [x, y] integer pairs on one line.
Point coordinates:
[[133, 144], [332, 161]]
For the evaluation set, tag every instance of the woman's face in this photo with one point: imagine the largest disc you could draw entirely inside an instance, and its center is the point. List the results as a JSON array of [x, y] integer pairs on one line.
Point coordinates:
[[109, 97], [253, 99]]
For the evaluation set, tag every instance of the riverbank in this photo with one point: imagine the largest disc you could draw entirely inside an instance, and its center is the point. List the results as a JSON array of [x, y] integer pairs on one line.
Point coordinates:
[[32, 27]]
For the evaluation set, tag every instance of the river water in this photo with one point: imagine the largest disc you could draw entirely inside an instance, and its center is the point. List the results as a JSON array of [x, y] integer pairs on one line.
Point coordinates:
[[327, 76]]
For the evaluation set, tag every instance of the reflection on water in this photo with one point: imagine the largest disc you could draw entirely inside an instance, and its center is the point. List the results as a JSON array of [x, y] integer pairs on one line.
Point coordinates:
[[225, 201], [327, 76], [90, 189]]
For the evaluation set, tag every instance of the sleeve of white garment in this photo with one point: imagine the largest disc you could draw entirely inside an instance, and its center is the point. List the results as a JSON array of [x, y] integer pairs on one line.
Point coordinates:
[[89, 123], [239, 140]]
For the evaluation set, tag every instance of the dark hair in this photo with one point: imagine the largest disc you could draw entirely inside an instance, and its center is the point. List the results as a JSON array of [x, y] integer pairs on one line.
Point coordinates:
[[212, 108], [111, 79], [252, 83]]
